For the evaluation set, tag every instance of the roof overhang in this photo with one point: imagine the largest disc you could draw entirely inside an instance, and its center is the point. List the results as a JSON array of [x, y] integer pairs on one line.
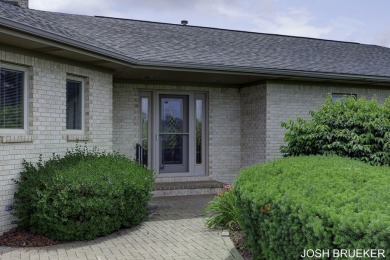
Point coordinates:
[[125, 68]]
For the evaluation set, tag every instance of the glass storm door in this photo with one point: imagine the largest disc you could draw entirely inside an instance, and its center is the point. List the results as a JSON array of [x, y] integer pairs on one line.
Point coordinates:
[[173, 134]]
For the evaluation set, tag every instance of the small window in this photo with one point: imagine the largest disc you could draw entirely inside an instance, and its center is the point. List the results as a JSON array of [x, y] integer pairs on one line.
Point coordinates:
[[338, 96], [143, 148], [13, 100], [199, 121], [74, 104], [200, 133], [145, 122]]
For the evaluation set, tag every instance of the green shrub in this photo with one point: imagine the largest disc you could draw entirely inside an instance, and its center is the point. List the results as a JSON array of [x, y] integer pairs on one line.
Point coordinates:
[[350, 127], [81, 196], [314, 202], [222, 211]]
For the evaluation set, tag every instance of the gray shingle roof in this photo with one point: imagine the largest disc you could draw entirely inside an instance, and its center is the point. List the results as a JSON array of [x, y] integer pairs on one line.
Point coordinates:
[[200, 46]]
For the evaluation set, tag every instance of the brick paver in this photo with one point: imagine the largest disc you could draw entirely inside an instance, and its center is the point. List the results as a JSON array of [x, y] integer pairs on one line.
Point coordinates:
[[174, 230]]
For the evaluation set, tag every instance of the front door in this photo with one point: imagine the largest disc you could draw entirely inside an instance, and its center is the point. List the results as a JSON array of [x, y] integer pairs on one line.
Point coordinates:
[[173, 134], [175, 140]]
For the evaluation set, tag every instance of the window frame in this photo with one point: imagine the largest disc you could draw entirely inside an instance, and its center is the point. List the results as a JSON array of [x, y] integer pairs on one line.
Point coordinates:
[[195, 170], [24, 130], [82, 130]]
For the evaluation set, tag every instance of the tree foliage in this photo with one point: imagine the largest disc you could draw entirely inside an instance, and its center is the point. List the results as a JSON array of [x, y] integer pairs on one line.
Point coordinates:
[[349, 127]]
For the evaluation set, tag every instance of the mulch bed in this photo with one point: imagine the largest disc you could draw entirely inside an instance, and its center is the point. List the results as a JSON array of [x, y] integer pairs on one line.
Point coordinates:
[[238, 239], [21, 238]]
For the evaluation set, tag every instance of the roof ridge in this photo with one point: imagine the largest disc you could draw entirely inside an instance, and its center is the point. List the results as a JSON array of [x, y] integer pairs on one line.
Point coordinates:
[[230, 30], [198, 26]]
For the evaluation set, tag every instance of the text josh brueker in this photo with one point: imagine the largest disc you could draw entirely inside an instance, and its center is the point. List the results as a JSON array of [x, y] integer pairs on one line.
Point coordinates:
[[340, 253]]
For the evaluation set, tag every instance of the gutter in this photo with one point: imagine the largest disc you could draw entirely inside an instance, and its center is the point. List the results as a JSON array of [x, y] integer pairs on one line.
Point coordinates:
[[135, 63], [260, 71]]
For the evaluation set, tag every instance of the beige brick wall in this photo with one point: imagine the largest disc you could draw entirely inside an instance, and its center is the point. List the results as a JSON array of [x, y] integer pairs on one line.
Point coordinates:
[[244, 123], [224, 133], [253, 123], [224, 123], [47, 117], [292, 99], [126, 118], [243, 129]]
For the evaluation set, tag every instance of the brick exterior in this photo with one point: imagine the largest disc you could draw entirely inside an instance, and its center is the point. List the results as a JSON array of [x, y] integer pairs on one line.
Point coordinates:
[[47, 118], [224, 123], [126, 118], [287, 99], [253, 123], [243, 122], [224, 134]]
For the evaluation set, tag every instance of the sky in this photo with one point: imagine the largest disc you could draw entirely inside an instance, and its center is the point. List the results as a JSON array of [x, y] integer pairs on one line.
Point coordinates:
[[364, 21]]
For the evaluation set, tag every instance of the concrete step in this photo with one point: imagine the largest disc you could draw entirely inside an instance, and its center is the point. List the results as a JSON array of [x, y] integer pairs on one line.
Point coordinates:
[[162, 189]]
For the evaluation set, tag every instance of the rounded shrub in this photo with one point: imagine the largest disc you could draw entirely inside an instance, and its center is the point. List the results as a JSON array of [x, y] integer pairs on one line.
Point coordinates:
[[314, 202], [83, 195], [349, 127]]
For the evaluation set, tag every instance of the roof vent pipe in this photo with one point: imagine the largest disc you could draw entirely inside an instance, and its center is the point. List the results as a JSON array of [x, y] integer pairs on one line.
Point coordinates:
[[23, 3], [20, 3], [184, 22]]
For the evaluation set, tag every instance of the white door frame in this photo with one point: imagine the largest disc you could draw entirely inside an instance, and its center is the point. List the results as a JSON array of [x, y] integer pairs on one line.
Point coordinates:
[[154, 125]]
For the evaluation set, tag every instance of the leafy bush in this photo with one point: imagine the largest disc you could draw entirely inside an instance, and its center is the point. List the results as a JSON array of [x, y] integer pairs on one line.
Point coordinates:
[[353, 128], [314, 202], [222, 210], [11, 121], [83, 195]]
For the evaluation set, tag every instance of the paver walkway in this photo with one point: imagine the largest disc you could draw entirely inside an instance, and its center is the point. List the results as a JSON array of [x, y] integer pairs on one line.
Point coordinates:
[[175, 230]]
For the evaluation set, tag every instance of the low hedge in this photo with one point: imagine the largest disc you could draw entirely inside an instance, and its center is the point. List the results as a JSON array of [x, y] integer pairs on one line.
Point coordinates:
[[314, 202], [81, 196]]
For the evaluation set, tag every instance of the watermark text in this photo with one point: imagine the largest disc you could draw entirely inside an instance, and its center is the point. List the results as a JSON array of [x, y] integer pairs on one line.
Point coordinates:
[[343, 253]]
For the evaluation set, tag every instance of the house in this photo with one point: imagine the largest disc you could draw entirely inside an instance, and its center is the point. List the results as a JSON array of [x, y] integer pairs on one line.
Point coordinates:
[[199, 103]]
